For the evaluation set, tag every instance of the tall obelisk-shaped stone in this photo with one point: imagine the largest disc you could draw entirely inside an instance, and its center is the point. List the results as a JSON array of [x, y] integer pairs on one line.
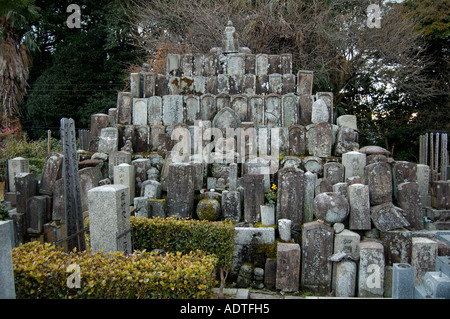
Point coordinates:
[[72, 194]]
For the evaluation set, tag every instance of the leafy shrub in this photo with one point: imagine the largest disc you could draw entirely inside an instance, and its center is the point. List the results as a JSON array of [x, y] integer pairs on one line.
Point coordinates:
[[35, 151], [40, 272], [185, 235]]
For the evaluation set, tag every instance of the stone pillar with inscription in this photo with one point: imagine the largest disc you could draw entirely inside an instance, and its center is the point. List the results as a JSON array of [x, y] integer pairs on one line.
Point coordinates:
[[317, 247], [98, 122], [371, 269], [109, 219], [125, 174], [72, 192], [180, 190], [117, 158], [290, 195], [253, 197]]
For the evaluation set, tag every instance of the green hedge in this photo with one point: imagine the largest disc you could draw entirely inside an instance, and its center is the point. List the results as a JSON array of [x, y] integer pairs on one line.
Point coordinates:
[[40, 272], [185, 235]]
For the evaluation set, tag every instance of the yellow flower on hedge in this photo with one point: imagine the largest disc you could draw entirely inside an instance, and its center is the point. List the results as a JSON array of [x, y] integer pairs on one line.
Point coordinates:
[[274, 187]]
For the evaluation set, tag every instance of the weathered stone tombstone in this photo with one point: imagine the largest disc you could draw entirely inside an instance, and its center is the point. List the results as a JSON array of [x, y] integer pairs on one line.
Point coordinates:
[[180, 190], [334, 172], [270, 273], [7, 286], [346, 141], [317, 247], [192, 105], [379, 180], [423, 178], [90, 177], [371, 269], [288, 267], [141, 166], [142, 207], [345, 279], [308, 196], [26, 187], [109, 219], [397, 246], [290, 109], [155, 110], [259, 166], [402, 172], [284, 229], [157, 208], [347, 121], [98, 122], [15, 166], [117, 158], [297, 140], [207, 107], [408, 199], [344, 270], [320, 112], [151, 189], [124, 108], [313, 164], [272, 110], [310, 135], [387, 217], [290, 195], [136, 84], [149, 84], [354, 163], [358, 197], [231, 205], [331, 207], [341, 188], [140, 109], [72, 193], [305, 82], [323, 140], [172, 109], [440, 198], [141, 138], [306, 103], [423, 257], [253, 197], [347, 242], [108, 140], [51, 172], [124, 174], [36, 214]]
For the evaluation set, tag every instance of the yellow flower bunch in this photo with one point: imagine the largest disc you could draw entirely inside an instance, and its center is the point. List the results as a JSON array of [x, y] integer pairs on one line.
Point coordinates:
[[272, 195]]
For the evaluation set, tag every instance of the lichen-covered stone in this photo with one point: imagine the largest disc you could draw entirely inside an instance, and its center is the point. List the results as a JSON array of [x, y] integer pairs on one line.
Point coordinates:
[[209, 209], [331, 207]]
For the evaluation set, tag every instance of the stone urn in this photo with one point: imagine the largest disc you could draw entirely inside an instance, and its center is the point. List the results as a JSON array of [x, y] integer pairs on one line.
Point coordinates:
[[267, 215]]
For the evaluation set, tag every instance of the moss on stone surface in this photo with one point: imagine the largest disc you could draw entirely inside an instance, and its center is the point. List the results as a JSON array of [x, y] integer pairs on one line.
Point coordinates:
[[208, 210]]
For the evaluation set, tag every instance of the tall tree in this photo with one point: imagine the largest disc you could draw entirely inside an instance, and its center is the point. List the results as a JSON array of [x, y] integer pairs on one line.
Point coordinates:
[[16, 45], [80, 70], [433, 23]]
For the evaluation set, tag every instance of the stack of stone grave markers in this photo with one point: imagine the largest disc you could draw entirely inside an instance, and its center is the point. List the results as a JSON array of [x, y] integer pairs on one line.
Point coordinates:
[[344, 214]]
